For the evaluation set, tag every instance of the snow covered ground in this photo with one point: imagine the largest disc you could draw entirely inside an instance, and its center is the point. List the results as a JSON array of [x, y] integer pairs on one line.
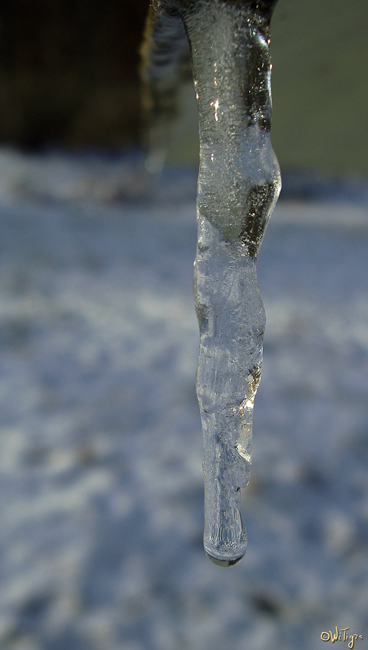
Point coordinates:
[[101, 481]]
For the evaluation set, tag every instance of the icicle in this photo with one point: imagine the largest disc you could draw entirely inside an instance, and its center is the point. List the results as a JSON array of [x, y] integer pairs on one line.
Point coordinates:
[[238, 186], [165, 64]]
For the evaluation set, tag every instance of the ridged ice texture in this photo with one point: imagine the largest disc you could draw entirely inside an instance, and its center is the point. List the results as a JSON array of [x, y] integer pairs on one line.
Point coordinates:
[[232, 321], [238, 185]]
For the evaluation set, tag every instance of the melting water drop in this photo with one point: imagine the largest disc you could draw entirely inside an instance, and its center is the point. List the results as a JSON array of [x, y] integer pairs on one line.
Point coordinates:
[[238, 186]]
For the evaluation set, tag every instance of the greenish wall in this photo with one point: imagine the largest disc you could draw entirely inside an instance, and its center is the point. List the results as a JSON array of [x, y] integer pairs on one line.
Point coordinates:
[[319, 86]]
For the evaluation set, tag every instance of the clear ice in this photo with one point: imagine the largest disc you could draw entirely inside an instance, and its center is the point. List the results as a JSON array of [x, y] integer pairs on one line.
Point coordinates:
[[238, 186]]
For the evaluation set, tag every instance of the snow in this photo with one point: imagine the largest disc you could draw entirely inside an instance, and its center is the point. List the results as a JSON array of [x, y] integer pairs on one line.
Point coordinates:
[[101, 448]]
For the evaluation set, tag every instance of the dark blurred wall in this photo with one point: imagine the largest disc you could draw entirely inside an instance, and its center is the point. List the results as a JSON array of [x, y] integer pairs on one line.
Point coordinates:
[[68, 72]]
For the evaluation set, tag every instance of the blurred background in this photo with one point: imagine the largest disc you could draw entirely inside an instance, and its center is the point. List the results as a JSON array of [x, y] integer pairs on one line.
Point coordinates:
[[69, 78], [100, 439]]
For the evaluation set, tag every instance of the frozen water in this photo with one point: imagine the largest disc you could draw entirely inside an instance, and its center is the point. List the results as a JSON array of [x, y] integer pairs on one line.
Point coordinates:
[[100, 452], [238, 185], [165, 63], [232, 321]]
